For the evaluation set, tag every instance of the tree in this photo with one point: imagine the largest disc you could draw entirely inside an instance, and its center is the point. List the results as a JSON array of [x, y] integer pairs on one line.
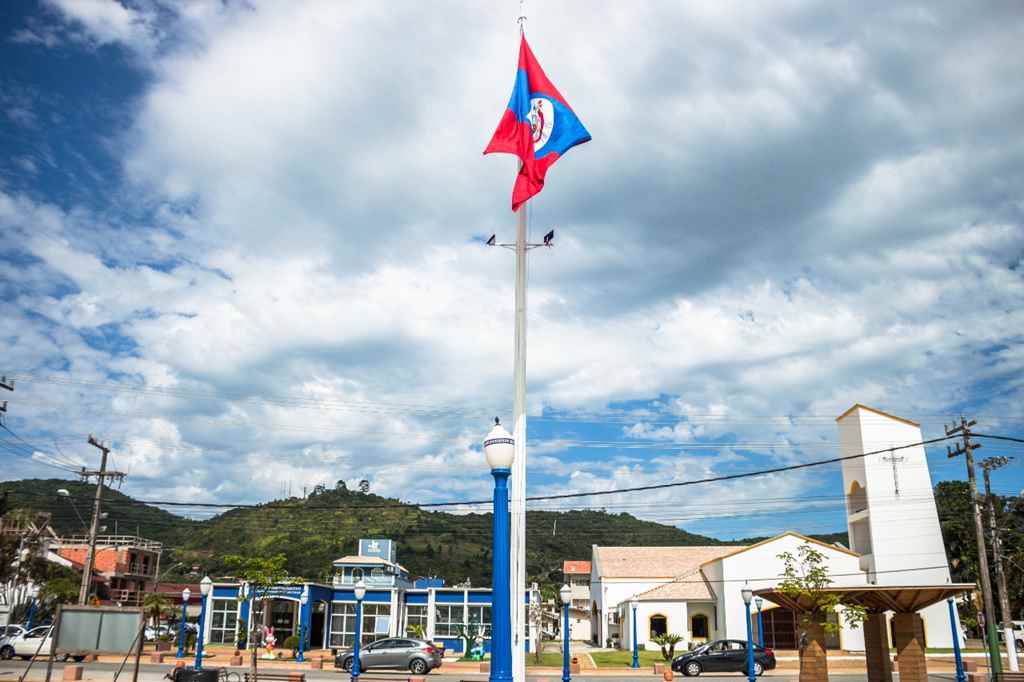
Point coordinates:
[[667, 642], [804, 579], [261, 574], [59, 591], [364, 486], [341, 485], [155, 604]]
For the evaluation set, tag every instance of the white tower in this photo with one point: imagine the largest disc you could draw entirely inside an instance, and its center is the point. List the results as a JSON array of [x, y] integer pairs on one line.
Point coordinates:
[[890, 508]]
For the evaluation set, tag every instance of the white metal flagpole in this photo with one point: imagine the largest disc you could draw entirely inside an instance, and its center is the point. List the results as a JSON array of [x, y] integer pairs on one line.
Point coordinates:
[[517, 507]]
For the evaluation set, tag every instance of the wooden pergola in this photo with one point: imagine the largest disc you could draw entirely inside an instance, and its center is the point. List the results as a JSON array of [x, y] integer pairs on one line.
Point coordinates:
[[908, 628]]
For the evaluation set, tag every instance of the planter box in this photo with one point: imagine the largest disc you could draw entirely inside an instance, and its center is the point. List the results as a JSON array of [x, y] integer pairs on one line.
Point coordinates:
[[659, 668], [163, 646]]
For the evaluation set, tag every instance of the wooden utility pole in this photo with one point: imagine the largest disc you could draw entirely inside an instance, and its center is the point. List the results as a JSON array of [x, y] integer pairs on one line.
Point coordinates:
[[8, 385], [966, 448], [101, 475], [988, 465]]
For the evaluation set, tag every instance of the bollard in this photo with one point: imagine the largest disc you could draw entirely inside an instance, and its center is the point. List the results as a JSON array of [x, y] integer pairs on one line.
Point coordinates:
[[316, 663], [156, 657], [236, 660], [667, 676], [72, 672], [659, 668]]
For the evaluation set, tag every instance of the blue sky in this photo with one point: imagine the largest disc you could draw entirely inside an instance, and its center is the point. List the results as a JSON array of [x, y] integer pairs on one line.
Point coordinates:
[[241, 243]]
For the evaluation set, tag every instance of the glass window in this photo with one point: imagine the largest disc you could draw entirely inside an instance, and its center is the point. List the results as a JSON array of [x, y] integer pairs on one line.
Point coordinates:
[[448, 618], [699, 625], [415, 614], [480, 617], [223, 621], [376, 619]]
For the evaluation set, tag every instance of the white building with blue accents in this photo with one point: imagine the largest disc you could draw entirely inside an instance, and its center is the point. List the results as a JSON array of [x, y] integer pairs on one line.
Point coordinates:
[[393, 604]]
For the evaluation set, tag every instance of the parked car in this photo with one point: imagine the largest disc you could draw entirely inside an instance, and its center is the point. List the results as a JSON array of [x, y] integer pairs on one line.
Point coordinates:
[[154, 633], [9, 631], [415, 655], [723, 655], [27, 644]]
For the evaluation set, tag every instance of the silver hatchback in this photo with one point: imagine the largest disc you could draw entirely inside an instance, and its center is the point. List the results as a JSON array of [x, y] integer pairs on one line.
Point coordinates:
[[415, 655]]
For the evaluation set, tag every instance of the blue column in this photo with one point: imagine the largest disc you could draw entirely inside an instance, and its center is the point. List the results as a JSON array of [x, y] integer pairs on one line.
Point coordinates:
[[31, 613], [302, 631], [960, 676], [636, 650], [565, 646], [181, 631], [501, 636], [355, 644], [760, 628], [199, 635], [750, 649]]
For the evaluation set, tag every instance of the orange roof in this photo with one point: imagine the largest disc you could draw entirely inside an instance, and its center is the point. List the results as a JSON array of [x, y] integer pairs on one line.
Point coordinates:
[[576, 567], [860, 406]]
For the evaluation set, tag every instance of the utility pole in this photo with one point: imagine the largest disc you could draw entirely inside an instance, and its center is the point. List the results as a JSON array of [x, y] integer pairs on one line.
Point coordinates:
[[9, 386], [101, 475], [966, 448], [988, 465]]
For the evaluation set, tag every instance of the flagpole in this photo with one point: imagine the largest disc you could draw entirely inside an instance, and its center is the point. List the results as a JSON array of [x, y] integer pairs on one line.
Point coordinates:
[[517, 550]]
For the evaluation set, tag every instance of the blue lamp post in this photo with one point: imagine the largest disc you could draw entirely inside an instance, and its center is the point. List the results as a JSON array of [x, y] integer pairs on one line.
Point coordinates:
[[243, 596], [360, 593], [747, 594], [566, 594], [499, 449], [960, 676], [205, 585], [636, 646], [33, 592], [760, 622], [303, 600], [185, 594]]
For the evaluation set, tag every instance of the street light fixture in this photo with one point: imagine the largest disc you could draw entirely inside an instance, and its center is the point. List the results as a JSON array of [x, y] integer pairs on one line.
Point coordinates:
[[303, 600], [633, 604], [185, 594], [245, 594], [205, 587], [360, 592], [499, 450], [566, 594], [747, 595]]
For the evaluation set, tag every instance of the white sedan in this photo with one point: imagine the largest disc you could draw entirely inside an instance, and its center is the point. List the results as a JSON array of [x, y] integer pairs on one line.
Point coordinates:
[[27, 645]]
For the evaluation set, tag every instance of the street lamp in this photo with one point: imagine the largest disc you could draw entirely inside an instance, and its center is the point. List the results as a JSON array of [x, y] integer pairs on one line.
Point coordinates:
[[760, 622], [205, 585], [303, 600], [960, 676], [243, 595], [747, 594], [566, 594], [185, 594], [633, 603], [360, 591], [499, 449]]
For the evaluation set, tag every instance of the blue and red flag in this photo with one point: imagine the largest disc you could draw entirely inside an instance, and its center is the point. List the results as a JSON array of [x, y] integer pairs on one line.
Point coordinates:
[[538, 126]]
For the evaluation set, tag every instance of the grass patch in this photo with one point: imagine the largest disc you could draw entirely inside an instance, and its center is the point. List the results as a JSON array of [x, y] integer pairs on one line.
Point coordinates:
[[548, 659], [624, 659]]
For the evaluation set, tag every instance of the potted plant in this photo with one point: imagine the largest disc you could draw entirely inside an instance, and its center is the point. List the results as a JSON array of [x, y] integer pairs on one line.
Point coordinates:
[[292, 643]]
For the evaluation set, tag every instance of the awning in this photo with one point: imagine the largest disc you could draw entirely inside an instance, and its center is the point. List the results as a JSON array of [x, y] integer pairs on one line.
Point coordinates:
[[876, 598]]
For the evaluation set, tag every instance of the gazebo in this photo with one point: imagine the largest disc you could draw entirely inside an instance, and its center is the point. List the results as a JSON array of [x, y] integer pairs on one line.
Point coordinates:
[[908, 628]]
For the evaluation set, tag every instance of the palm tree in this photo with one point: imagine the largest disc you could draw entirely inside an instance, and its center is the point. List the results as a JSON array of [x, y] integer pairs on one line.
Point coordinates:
[[155, 604], [667, 642]]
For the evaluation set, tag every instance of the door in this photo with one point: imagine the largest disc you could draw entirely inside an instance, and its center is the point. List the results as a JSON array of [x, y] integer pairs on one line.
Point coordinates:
[[374, 654], [735, 659], [715, 660]]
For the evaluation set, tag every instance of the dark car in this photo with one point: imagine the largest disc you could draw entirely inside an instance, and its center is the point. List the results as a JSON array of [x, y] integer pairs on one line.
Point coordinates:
[[723, 656], [415, 655]]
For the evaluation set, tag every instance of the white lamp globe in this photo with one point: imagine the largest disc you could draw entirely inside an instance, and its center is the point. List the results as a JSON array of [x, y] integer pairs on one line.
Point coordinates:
[[634, 603], [499, 448], [205, 585], [565, 593], [747, 594], [360, 590], [758, 602], [185, 594]]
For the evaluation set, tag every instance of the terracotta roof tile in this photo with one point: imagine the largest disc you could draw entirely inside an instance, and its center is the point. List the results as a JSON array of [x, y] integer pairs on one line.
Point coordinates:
[[693, 585], [576, 567], [655, 562]]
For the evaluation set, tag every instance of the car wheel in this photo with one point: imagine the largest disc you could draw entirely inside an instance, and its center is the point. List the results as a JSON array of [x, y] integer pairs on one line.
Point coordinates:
[[418, 666], [7, 653], [692, 669], [25, 658], [758, 669], [78, 659], [346, 665]]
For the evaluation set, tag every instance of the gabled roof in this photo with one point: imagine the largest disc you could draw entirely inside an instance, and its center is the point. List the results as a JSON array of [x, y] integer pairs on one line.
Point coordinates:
[[655, 562], [876, 411], [740, 550], [575, 567], [692, 586]]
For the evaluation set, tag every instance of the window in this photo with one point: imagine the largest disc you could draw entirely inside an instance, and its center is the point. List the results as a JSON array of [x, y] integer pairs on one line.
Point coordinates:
[[658, 625], [357, 574], [415, 614], [376, 617], [699, 626], [480, 617], [223, 621], [447, 619]]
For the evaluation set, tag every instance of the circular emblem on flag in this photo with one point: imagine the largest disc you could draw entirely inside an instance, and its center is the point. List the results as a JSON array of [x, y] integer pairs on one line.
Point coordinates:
[[542, 121]]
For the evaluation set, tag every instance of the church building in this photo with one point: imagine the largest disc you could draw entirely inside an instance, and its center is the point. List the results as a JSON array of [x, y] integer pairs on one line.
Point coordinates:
[[695, 592]]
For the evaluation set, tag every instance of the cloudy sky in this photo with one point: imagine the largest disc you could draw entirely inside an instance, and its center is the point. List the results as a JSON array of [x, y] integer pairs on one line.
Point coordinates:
[[242, 242]]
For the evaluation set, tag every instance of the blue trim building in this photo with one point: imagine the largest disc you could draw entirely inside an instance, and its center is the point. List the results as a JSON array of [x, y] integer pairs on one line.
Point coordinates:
[[393, 604]]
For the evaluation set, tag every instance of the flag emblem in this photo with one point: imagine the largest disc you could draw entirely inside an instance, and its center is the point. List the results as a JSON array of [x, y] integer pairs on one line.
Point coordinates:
[[542, 120]]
